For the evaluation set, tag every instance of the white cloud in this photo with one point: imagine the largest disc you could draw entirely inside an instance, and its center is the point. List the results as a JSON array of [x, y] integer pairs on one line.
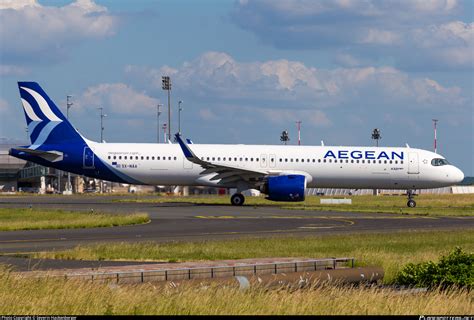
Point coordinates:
[[12, 70], [207, 114], [117, 98], [417, 34], [30, 31], [286, 87], [309, 117], [4, 106]]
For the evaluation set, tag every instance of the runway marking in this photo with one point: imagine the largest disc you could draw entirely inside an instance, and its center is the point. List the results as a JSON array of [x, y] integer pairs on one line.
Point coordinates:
[[309, 227], [32, 240]]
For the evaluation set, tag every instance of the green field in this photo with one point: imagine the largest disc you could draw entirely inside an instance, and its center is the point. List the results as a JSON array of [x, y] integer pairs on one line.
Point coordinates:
[[23, 295], [390, 251], [432, 205], [33, 219]]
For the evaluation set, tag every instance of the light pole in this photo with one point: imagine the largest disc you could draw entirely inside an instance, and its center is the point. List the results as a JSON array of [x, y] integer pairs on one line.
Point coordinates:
[[102, 116], [435, 122], [166, 85], [164, 130], [284, 137], [179, 116], [376, 136], [298, 125], [68, 106], [158, 113]]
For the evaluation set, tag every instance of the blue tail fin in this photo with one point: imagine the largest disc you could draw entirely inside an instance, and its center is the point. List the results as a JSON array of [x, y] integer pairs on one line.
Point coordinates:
[[46, 123]]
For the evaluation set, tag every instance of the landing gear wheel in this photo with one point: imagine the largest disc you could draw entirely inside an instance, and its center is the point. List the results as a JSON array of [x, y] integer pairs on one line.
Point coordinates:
[[237, 199], [411, 203]]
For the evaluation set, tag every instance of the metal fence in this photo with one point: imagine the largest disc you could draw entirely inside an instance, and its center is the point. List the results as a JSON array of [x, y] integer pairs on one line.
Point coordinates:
[[212, 272]]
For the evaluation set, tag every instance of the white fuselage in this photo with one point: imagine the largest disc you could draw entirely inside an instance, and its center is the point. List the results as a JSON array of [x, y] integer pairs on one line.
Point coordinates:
[[324, 166]]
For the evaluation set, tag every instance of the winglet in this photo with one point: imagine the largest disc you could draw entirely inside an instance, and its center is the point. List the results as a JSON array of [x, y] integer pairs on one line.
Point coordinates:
[[186, 150]]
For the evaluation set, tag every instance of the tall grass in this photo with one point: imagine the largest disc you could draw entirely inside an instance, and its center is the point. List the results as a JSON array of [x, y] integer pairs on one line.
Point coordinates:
[[21, 295], [31, 219], [391, 251], [433, 205]]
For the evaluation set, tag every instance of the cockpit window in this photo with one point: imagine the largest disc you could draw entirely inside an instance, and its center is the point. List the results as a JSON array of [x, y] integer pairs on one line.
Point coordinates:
[[439, 162]]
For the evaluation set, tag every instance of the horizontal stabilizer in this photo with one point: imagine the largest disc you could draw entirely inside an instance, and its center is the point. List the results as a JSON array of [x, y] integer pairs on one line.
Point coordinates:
[[52, 156]]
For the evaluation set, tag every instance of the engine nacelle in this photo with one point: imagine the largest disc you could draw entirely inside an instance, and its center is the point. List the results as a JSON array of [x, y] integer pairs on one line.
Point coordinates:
[[285, 188]]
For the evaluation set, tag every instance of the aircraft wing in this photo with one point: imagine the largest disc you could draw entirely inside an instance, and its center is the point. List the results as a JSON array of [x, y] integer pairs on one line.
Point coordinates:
[[226, 174]]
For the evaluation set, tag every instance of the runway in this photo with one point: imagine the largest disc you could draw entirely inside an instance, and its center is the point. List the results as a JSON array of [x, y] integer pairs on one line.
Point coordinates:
[[181, 221]]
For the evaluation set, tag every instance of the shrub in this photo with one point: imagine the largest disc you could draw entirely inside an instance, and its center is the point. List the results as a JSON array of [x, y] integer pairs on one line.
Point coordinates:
[[455, 269]]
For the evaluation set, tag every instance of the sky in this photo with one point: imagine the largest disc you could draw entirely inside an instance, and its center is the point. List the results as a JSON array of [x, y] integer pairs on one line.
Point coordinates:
[[247, 70]]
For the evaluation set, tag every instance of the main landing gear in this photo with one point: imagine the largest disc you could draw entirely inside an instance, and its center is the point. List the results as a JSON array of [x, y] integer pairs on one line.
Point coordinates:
[[237, 199], [411, 203]]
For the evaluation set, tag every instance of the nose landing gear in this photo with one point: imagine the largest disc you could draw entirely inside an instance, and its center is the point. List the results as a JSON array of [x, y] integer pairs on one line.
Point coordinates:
[[411, 202]]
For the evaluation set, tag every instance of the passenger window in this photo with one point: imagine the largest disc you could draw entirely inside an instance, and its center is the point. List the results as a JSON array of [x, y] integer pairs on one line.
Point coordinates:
[[314, 160], [319, 160], [324, 160], [169, 158], [109, 157], [174, 158], [218, 158], [286, 160], [390, 161], [291, 160], [256, 159], [115, 157], [141, 157], [385, 161], [296, 159], [380, 161], [352, 161], [157, 158], [235, 159], [223, 159], [357, 161], [280, 159], [241, 159]]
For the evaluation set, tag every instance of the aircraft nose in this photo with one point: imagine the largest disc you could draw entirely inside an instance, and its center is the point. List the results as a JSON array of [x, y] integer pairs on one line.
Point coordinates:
[[457, 175], [460, 175]]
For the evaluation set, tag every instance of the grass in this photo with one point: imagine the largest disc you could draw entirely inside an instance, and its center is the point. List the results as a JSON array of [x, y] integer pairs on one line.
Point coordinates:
[[390, 251], [34, 219], [21, 295], [431, 205]]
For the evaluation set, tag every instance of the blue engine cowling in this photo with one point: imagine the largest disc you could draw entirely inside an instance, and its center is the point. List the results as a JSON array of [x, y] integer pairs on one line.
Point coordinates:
[[286, 188]]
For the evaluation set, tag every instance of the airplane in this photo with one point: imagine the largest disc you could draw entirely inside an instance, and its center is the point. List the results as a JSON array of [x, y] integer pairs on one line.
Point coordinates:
[[281, 172]]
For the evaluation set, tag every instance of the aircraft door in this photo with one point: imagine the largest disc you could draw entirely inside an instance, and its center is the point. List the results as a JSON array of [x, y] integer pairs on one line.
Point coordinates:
[[263, 160], [413, 165], [88, 160]]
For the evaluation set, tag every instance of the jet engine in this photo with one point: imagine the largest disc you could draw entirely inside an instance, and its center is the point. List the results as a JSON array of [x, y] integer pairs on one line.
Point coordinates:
[[285, 188]]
